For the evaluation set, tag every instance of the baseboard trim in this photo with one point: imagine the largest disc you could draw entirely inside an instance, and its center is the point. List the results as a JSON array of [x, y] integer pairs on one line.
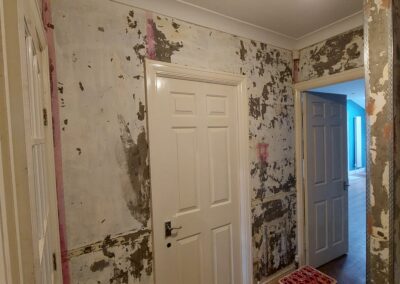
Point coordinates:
[[273, 279]]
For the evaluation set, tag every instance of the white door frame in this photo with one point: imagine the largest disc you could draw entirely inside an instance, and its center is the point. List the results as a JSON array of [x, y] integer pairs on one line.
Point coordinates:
[[156, 69], [344, 76], [16, 17], [5, 265]]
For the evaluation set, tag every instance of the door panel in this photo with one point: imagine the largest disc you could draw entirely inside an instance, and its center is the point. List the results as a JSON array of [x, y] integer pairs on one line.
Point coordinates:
[[223, 262], [325, 157], [219, 165], [40, 169], [187, 169], [193, 153], [189, 259]]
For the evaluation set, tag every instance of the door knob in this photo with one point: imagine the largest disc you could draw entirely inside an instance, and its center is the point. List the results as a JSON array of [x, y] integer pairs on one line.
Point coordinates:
[[345, 185], [169, 228]]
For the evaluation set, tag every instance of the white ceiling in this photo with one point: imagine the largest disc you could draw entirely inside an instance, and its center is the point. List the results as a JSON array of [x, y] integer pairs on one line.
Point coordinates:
[[290, 24], [355, 90], [292, 18]]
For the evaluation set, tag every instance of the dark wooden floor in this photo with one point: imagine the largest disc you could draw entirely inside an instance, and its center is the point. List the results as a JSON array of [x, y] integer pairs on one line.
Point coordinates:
[[350, 269]]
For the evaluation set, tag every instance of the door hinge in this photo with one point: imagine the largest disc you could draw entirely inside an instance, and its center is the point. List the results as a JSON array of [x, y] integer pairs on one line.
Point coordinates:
[[54, 262], [45, 122]]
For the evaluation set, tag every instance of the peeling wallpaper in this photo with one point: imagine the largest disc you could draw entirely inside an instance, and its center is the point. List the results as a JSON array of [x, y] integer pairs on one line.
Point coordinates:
[[334, 55], [381, 147], [396, 106], [100, 48]]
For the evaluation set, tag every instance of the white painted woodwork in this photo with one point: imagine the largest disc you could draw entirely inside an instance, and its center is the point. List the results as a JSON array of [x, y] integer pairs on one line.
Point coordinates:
[[40, 167], [325, 159], [357, 142], [5, 273], [28, 205], [194, 161], [353, 74]]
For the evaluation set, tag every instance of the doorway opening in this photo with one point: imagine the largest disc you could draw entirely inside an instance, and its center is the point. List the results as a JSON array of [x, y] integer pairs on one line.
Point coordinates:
[[351, 267], [202, 117], [320, 227]]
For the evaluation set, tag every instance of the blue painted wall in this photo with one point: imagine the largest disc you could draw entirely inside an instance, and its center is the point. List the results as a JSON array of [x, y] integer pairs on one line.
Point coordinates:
[[354, 110]]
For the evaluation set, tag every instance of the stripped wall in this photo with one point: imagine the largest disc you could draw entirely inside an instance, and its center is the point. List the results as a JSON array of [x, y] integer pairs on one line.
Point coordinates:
[[380, 109], [100, 50], [334, 55], [382, 64], [396, 137]]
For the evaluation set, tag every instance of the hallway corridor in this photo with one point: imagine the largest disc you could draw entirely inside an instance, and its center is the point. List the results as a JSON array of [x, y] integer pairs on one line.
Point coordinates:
[[350, 268]]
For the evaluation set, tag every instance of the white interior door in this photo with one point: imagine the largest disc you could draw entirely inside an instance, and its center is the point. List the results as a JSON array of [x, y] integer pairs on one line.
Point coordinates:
[[325, 164], [194, 177], [39, 140]]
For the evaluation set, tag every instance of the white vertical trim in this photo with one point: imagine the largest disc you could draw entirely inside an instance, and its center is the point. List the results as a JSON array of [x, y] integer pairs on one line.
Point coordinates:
[[357, 142], [156, 69], [349, 75], [16, 18], [5, 265]]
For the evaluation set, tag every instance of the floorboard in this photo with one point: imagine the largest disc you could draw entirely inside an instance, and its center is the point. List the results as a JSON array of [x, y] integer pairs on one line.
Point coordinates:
[[350, 269]]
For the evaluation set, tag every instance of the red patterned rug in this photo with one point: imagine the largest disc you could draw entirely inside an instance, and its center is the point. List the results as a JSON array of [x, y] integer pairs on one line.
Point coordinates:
[[307, 275]]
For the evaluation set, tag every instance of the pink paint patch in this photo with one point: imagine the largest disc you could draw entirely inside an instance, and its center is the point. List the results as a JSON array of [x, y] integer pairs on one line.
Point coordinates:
[[263, 151], [47, 22], [151, 44]]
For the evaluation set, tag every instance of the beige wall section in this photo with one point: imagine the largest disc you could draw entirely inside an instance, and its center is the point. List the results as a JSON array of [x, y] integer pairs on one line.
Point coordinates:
[[382, 110], [396, 107]]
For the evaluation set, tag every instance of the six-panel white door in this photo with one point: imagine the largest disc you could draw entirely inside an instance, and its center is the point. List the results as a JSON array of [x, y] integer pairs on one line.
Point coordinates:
[[325, 148], [40, 156], [194, 177]]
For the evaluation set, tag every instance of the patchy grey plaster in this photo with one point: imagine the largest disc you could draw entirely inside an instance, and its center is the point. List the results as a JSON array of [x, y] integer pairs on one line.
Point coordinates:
[[396, 132], [380, 118], [164, 47], [137, 168], [123, 258], [274, 235], [334, 55]]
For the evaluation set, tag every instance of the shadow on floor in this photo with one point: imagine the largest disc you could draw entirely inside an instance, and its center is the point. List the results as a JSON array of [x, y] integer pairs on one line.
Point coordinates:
[[351, 268]]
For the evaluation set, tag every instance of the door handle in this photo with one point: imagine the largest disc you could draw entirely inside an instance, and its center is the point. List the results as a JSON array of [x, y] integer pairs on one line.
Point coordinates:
[[168, 228], [345, 185]]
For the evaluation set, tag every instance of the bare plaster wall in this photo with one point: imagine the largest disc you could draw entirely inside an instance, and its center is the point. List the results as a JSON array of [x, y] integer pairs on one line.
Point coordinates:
[[100, 49], [382, 110], [334, 55], [396, 131], [344, 52]]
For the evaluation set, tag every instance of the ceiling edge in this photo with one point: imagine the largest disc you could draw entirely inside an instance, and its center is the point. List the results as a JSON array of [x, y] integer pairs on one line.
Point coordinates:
[[353, 21], [215, 21], [211, 19]]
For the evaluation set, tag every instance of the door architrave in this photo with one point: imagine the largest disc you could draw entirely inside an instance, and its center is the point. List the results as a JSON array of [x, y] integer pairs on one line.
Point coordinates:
[[349, 75]]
